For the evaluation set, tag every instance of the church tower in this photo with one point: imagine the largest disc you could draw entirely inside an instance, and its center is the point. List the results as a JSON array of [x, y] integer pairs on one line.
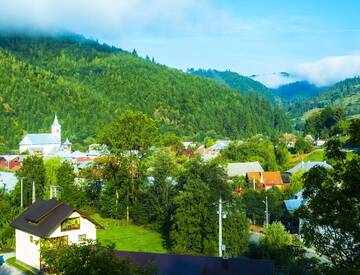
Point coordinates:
[[56, 129]]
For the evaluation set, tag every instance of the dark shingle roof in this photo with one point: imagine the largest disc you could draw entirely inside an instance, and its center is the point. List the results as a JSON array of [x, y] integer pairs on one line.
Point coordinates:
[[42, 217], [202, 265]]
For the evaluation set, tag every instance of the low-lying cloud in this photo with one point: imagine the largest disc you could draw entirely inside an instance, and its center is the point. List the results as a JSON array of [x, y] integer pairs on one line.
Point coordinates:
[[330, 70], [107, 19]]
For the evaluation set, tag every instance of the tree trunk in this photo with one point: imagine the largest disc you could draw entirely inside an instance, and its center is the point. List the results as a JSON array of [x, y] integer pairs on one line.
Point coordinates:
[[127, 214]]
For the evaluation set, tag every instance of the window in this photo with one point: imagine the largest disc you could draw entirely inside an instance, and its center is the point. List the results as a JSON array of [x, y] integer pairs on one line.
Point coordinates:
[[70, 224], [82, 238], [31, 239]]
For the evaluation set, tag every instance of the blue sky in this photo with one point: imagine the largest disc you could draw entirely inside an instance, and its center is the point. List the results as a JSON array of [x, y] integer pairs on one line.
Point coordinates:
[[316, 40]]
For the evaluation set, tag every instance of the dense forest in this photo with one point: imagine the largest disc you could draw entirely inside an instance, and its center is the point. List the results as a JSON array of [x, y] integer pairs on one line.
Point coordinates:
[[297, 90], [345, 93], [88, 84], [236, 81]]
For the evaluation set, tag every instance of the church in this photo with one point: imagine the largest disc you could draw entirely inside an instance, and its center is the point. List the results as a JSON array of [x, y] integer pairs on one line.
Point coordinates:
[[44, 143]]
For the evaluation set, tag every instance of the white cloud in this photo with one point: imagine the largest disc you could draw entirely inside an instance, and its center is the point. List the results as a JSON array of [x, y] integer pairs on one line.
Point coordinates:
[[274, 80], [105, 18], [330, 70]]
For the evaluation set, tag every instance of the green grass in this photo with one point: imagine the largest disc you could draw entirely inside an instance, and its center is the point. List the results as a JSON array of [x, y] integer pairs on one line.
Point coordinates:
[[12, 261], [128, 237], [316, 156]]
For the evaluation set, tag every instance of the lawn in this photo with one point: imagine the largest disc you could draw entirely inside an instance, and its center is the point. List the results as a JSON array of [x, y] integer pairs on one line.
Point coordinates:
[[128, 237], [12, 261]]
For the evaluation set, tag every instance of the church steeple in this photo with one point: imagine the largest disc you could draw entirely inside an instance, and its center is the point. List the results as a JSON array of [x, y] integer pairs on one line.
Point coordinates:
[[56, 129]]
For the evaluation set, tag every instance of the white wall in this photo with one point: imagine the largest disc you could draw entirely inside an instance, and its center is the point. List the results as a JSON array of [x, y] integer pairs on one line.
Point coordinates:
[[46, 148], [26, 251], [86, 227]]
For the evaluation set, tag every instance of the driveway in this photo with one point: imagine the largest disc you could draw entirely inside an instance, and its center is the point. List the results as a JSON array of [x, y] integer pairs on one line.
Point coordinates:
[[6, 269]]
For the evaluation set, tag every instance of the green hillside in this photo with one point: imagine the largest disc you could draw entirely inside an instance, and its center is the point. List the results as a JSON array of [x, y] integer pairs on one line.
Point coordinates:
[[87, 84], [345, 93], [236, 81]]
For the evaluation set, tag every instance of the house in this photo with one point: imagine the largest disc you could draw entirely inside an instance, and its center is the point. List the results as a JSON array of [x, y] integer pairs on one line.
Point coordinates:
[[199, 265], [265, 180], [309, 138], [10, 162], [220, 145], [50, 223], [45, 143], [294, 202], [293, 223], [319, 142], [306, 166], [290, 140], [240, 169]]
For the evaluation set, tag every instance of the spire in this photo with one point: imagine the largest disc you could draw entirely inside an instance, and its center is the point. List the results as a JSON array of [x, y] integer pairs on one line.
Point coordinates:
[[56, 122]]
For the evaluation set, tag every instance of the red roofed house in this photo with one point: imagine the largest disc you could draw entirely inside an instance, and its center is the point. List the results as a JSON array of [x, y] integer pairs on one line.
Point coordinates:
[[265, 180]]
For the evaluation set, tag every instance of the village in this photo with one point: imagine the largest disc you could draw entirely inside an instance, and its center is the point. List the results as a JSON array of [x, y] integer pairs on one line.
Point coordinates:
[[243, 177]]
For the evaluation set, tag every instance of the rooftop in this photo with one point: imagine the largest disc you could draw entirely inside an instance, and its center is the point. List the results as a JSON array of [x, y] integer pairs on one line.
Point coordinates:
[[241, 168]]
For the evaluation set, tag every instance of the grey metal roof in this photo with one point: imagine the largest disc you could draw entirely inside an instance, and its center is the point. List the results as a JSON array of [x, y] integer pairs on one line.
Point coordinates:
[[306, 166], [39, 139], [42, 217], [241, 168]]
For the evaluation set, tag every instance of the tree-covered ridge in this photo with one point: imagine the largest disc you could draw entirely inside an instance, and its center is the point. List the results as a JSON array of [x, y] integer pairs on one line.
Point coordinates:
[[236, 81], [345, 93], [297, 90], [88, 84]]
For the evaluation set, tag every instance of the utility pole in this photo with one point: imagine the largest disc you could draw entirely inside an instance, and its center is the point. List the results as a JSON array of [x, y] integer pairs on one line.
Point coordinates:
[[266, 211], [21, 192], [33, 192], [220, 227]]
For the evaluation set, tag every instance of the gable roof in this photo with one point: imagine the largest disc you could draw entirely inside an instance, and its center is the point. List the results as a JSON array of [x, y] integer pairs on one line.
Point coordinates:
[[39, 139], [241, 168], [42, 217], [267, 178], [295, 202], [306, 166], [200, 265]]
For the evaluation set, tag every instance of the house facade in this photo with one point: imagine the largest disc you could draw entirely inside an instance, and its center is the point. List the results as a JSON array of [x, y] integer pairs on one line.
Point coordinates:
[[49, 224]]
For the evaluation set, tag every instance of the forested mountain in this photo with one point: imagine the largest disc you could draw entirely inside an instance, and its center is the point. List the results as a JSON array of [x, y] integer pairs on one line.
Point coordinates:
[[236, 82], [87, 84], [345, 93], [297, 90]]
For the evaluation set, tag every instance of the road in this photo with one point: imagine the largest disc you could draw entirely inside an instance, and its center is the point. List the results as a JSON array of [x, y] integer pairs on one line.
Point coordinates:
[[6, 269]]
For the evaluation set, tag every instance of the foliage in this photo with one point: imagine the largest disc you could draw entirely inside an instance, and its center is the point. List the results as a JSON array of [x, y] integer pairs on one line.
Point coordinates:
[[332, 213], [302, 146], [333, 152], [354, 131], [191, 230], [275, 236], [236, 82], [345, 93], [282, 154], [325, 123], [255, 149], [130, 131], [32, 170], [90, 259], [41, 75]]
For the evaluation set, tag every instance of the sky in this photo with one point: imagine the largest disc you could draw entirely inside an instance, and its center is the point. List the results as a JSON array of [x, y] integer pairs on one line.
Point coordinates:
[[317, 40]]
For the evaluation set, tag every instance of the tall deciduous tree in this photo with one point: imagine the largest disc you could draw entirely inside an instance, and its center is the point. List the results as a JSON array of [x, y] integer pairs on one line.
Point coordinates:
[[332, 214], [32, 170]]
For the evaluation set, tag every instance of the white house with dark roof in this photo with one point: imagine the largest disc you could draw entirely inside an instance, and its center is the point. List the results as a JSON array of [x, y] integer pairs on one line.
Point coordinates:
[[45, 143], [49, 223]]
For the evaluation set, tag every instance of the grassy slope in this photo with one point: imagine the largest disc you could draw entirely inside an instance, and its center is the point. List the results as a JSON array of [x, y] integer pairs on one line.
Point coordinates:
[[128, 237]]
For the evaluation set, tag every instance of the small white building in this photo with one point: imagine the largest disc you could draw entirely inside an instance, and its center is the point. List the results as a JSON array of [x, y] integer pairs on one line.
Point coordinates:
[[45, 143], [49, 223]]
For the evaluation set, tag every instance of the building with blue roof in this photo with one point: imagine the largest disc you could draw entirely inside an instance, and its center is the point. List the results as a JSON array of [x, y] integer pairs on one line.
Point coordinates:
[[294, 202]]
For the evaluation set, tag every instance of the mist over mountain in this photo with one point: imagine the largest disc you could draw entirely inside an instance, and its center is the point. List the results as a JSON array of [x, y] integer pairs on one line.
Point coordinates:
[[236, 81]]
